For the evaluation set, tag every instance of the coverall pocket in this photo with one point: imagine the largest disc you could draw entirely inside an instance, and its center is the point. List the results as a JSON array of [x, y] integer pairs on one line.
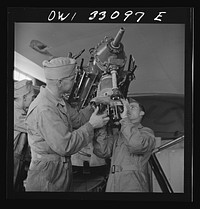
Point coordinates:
[[59, 177]]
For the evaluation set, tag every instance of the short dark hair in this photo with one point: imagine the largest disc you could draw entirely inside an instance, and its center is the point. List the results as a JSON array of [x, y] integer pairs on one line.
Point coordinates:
[[130, 99], [141, 107]]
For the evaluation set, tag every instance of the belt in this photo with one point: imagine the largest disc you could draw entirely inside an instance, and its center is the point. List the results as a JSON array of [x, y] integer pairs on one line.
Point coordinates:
[[89, 170], [50, 157], [120, 168]]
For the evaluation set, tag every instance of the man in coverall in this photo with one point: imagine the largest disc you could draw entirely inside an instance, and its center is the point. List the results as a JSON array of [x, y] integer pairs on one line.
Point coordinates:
[[50, 123], [129, 149], [23, 96]]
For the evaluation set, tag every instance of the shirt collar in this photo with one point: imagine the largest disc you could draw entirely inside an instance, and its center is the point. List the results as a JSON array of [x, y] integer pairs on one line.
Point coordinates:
[[140, 126]]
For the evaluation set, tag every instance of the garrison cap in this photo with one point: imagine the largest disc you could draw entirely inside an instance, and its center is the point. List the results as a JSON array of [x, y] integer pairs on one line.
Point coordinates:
[[59, 67], [22, 87]]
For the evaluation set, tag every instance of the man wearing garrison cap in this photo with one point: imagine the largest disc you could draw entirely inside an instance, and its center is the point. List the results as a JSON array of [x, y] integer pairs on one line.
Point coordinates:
[[23, 96], [56, 130]]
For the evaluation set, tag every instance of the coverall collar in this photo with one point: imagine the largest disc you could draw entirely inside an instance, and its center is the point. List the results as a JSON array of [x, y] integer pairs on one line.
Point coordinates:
[[51, 97], [17, 107]]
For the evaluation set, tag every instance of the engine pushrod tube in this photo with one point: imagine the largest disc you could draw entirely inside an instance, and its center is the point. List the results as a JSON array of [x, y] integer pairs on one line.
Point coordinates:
[[169, 144]]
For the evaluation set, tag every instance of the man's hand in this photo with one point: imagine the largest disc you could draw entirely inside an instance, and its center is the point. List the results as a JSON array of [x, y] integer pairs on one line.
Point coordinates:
[[98, 121], [126, 106]]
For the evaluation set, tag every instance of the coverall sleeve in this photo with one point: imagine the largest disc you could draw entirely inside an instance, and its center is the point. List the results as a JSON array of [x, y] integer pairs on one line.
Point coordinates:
[[19, 121], [58, 136], [139, 141], [102, 143], [79, 118]]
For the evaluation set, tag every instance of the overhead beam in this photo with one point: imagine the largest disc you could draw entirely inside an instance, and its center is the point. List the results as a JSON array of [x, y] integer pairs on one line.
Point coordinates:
[[28, 67]]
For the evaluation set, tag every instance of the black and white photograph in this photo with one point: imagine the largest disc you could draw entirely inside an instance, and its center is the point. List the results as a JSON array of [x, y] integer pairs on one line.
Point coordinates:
[[102, 103]]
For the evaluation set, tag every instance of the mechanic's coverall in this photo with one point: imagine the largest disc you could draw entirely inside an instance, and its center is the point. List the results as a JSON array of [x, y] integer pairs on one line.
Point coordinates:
[[22, 155], [129, 149], [52, 140]]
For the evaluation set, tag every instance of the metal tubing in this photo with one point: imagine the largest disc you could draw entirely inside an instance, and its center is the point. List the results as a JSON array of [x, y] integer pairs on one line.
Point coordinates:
[[169, 144], [114, 79], [118, 37], [159, 174]]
